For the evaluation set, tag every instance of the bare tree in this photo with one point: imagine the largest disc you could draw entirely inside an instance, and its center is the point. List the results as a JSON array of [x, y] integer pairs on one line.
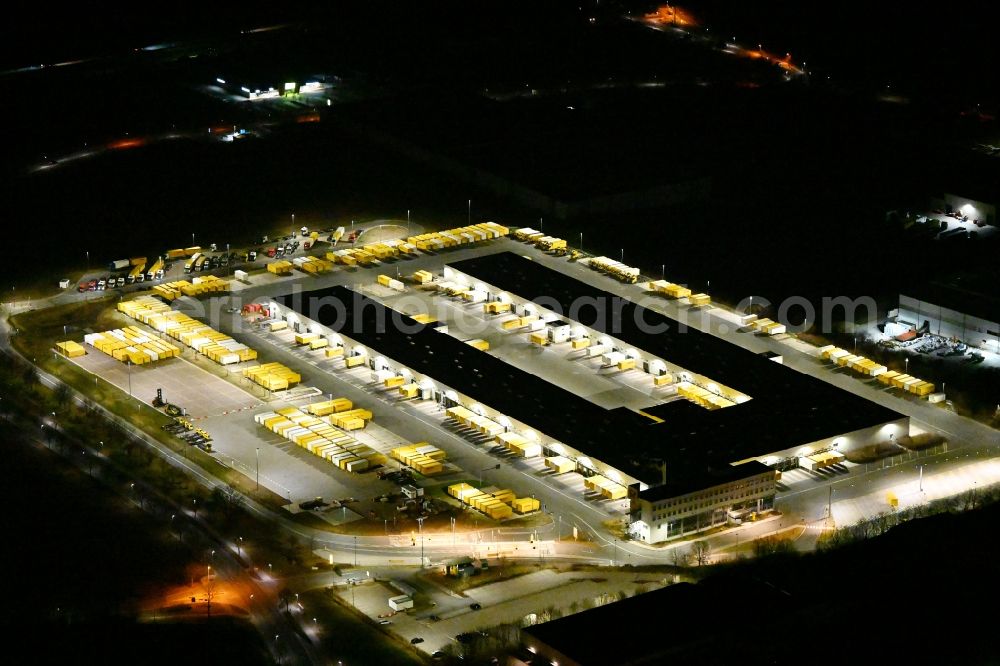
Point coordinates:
[[700, 552], [228, 500]]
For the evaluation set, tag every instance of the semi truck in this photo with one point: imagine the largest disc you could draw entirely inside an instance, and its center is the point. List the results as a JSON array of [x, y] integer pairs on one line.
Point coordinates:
[[189, 266], [119, 265]]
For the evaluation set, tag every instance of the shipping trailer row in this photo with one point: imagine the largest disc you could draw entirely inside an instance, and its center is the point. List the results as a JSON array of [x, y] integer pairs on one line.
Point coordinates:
[[321, 438], [131, 344]]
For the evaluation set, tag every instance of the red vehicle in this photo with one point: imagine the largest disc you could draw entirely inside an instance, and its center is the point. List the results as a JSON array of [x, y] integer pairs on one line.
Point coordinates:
[[92, 285], [271, 252], [354, 236], [82, 286], [306, 245]]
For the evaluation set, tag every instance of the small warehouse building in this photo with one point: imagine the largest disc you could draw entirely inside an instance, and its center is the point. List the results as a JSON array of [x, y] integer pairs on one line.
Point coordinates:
[[965, 307]]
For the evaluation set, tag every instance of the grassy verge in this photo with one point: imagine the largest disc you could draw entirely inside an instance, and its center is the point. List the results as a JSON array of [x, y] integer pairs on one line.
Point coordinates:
[[494, 574]]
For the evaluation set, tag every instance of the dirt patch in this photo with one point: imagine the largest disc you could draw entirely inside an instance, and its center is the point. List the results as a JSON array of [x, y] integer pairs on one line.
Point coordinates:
[[874, 452], [924, 440]]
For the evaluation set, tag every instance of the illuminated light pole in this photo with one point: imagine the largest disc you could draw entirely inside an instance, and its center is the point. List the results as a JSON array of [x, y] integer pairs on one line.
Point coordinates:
[[192, 239], [470, 212], [239, 547], [407, 221], [420, 525]]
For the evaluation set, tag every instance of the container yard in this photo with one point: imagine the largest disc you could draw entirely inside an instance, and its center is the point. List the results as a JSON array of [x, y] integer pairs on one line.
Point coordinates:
[[322, 435], [132, 345], [205, 340], [207, 285], [272, 376]]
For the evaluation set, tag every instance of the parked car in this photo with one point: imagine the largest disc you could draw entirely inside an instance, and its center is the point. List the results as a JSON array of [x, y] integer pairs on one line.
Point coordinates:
[[476, 606], [416, 639], [385, 621], [100, 285], [120, 282]]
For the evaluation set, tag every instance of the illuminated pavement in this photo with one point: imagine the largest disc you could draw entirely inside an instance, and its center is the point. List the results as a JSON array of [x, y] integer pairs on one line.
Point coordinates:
[[809, 504]]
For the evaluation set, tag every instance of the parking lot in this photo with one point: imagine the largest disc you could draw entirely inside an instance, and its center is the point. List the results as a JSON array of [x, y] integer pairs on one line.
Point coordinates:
[[506, 601], [184, 384]]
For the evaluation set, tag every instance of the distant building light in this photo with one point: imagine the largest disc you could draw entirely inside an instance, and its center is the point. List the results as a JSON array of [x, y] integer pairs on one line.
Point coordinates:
[[246, 90], [290, 86], [222, 81]]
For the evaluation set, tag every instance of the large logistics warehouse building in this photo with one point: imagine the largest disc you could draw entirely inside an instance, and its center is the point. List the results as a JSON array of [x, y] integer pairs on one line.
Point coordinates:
[[676, 459]]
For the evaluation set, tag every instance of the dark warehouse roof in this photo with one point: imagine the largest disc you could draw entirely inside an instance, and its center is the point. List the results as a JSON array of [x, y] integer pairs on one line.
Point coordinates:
[[787, 407]]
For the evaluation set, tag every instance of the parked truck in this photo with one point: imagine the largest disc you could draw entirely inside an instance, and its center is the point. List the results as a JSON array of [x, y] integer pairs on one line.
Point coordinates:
[[119, 265], [189, 265]]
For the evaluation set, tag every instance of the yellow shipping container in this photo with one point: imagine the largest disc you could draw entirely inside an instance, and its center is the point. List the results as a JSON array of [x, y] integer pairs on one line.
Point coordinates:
[[354, 361]]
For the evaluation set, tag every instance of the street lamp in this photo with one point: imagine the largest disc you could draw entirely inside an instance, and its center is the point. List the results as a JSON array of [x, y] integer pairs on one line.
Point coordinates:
[[470, 212], [420, 525], [581, 241]]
